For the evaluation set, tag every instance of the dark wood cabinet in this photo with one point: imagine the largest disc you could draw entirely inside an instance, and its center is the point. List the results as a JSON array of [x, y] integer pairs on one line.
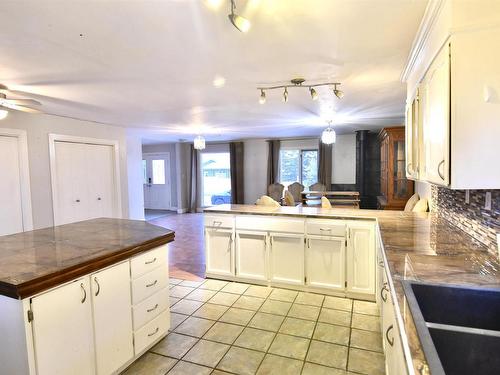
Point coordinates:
[[395, 189]]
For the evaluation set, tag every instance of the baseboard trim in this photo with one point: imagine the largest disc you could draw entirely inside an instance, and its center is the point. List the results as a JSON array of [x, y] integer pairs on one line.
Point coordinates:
[[182, 210]]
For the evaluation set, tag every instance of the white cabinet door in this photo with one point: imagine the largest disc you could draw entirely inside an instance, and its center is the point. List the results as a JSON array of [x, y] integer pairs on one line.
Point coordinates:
[[251, 255], [219, 251], [62, 330], [287, 258], [361, 258], [112, 317], [436, 131], [325, 262]]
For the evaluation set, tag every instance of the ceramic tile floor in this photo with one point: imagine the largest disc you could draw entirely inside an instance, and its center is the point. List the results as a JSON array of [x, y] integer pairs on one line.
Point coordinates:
[[220, 327]]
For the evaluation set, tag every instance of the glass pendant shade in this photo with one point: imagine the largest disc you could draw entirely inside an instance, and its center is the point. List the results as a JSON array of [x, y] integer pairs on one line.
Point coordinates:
[[328, 136], [199, 143]]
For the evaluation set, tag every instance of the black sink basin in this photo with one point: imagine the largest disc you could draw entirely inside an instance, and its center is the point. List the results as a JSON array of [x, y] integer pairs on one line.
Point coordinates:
[[458, 327]]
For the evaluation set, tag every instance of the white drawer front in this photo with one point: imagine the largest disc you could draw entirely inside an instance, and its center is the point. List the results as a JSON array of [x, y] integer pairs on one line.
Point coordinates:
[[266, 223], [148, 334], [150, 308], [148, 261], [320, 227], [149, 284], [220, 221]]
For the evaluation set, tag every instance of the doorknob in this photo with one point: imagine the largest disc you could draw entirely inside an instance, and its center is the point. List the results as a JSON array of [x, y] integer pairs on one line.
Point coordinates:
[[77, 201], [98, 198]]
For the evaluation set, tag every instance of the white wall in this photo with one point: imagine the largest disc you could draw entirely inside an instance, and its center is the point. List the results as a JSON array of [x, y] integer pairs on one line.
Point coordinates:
[[344, 159], [255, 169], [38, 128], [135, 176]]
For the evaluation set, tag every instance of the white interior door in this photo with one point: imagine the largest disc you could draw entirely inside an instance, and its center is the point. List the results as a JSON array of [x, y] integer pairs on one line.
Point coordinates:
[[11, 212], [157, 183]]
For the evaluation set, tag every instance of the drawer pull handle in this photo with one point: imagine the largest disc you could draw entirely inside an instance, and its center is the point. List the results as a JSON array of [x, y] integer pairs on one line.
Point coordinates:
[[384, 288], [152, 309], [217, 223], [390, 341], [381, 263], [84, 293], [325, 229], [154, 333], [439, 169], [152, 284], [98, 287], [150, 261]]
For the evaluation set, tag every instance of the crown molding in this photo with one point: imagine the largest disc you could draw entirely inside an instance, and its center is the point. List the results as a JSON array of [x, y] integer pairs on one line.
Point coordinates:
[[431, 14]]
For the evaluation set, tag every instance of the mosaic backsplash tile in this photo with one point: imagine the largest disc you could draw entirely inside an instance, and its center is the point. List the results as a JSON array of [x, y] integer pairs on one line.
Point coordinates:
[[472, 218]]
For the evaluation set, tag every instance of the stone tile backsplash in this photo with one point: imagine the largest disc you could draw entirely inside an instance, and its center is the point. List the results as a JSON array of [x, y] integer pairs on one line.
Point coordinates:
[[472, 218]]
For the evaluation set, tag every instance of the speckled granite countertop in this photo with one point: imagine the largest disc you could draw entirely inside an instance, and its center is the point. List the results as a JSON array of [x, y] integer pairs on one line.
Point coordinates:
[[416, 246], [31, 262]]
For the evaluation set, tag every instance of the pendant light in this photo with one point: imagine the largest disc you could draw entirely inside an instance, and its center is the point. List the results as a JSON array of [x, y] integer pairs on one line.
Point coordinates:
[[199, 143], [328, 136], [241, 23]]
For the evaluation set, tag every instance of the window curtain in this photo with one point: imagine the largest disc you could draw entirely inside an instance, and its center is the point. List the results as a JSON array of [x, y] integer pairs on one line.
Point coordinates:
[[325, 165], [236, 165], [273, 161], [193, 181]]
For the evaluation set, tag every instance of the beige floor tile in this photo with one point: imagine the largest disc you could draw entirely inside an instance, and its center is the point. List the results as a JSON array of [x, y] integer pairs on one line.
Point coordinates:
[[283, 295], [213, 285], [222, 298], [332, 333], [223, 332], [297, 327], [366, 322], [366, 340], [206, 353], [304, 312], [237, 316], [236, 288], [273, 364], [176, 319], [289, 346], [255, 339], [241, 361], [219, 372], [338, 317], [202, 295], [268, 322], [186, 368], [210, 311], [365, 307], [186, 307], [311, 299], [366, 362], [151, 364], [179, 291], [258, 291], [193, 326], [191, 283], [314, 369], [338, 303], [327, 354], [275, 307], [174, 345], [249, 303], [173, 300]]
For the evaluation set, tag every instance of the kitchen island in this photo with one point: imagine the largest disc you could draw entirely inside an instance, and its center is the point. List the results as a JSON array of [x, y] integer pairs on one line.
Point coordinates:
[[415, 246], [82, 298]]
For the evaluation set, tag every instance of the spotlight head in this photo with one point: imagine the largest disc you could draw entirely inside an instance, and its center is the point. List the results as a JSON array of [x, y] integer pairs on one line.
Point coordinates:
[[338, 93], [314, 94], [262, 98], [241, 23], [285, 95]]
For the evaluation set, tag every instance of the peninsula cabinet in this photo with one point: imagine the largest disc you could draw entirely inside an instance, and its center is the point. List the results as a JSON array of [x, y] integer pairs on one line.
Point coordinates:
[[286, 258], [361, 258], [251, 255], [219, 245]]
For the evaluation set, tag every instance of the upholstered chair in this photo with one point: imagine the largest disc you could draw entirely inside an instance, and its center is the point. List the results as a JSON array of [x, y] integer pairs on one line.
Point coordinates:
[[325, 203], [275, 191], [317, 187], [267, 201], [296, 189], [288, 201]]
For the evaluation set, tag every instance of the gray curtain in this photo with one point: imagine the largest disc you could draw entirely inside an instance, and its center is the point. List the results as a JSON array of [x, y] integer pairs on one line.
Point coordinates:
[[325, 165], [236, 165], [193, 181], [273, 161]]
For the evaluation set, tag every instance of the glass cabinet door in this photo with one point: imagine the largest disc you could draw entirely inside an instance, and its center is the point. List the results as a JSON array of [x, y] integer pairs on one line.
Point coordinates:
[[400, 182]]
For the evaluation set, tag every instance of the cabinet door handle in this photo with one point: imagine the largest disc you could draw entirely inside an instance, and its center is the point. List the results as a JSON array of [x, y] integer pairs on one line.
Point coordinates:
[[325, 229], [217, 223], [152, 284], [150, 261], [152, 309], [84, 293], [439, 169], [98, 286], [154, 332], [384, 288], [408, 168], [391, 342], [381, 263]]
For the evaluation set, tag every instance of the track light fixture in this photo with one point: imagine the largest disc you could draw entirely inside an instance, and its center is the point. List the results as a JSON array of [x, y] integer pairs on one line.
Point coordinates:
[[299, 82], [241, 23], [328, 136], [199, 143]]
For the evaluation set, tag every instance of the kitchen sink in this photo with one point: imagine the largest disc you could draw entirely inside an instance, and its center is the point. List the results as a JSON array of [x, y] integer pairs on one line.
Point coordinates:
[[458, 327]]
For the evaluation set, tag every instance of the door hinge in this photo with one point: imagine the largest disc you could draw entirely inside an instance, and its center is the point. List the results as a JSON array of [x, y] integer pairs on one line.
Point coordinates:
[[346, 284], [346, 242], [30, 316], [305, 279]]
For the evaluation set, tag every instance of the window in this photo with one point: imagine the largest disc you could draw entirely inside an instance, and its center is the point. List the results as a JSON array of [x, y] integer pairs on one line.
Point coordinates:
[[215, 178], [144, 172], [158, 168], [298, 166]]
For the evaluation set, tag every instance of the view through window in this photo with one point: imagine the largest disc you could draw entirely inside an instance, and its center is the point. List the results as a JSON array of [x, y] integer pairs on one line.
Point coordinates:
[[298, 166], [216, 178]]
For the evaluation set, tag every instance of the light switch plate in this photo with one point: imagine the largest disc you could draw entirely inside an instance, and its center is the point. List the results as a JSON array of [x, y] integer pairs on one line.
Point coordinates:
[[487, 201], [467, 196]]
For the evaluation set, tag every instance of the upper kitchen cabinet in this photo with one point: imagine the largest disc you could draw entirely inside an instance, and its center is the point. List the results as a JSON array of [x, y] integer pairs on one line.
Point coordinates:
[[453, 102]]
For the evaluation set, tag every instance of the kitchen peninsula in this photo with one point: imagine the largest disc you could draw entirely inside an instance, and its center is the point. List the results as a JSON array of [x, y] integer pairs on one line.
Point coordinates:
[[82, 298]]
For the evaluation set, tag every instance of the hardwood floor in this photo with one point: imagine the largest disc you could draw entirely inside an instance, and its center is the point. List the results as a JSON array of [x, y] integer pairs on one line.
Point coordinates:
[[187, 252]]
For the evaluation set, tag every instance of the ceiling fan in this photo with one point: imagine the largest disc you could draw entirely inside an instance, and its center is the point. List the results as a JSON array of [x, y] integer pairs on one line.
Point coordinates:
[[23, 105]]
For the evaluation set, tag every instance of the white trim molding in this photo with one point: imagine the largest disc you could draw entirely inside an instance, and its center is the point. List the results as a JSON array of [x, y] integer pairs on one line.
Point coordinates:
[[24, 174]]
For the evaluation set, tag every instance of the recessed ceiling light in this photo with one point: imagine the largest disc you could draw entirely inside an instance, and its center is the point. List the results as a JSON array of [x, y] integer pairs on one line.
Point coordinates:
[[219, 81]]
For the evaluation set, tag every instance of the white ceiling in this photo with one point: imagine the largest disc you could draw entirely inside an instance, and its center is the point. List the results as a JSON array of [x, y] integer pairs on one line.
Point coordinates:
[[150, 65]]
